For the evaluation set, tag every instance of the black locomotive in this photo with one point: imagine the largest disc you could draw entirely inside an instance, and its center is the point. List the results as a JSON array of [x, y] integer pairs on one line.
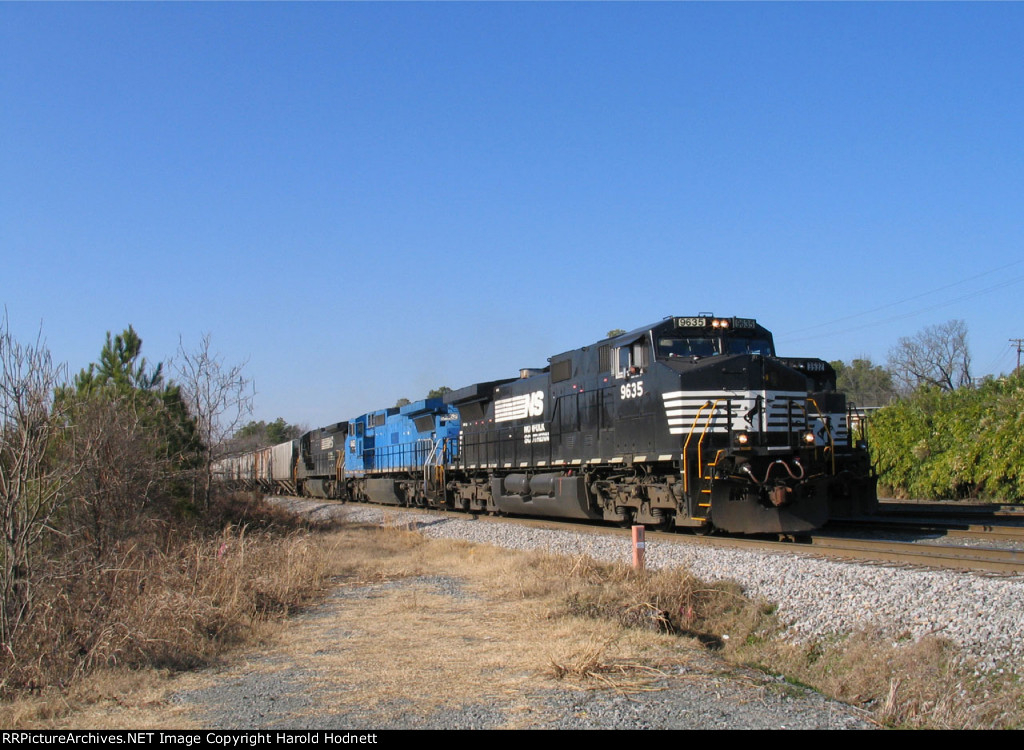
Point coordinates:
[[689, 422]]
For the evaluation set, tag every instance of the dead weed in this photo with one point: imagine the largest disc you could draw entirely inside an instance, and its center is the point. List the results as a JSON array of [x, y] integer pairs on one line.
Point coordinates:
[[440, 623]]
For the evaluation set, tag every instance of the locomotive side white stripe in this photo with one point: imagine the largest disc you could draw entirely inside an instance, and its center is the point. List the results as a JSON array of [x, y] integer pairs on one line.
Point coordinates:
[[519, 407], [515, 407]]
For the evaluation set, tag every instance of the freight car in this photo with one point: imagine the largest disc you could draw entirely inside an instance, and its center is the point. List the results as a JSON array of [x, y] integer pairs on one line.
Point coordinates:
[[688, 422]]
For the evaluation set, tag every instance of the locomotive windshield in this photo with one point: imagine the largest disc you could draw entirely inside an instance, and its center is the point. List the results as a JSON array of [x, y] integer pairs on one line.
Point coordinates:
[[747, 345], [690, 346], [707, 346]]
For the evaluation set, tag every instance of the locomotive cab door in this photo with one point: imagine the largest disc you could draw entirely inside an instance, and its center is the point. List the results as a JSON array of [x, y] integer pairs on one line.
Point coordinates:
[[631, 364]]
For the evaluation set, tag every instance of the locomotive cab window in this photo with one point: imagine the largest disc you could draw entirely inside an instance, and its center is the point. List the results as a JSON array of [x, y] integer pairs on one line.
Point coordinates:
[[671, 347], [631, 359], [747, 345], [686, 346]]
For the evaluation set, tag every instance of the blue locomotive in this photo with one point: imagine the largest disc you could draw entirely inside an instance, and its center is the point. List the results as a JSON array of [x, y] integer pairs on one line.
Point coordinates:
[[398, 456], [688, 422]]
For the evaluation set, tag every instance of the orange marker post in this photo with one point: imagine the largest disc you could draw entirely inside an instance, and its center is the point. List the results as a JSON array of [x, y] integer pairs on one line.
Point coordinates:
[[639, 546]]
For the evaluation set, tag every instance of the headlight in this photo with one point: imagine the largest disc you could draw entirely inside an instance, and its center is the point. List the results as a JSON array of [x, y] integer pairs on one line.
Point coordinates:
[[808, 438], [741, 439]]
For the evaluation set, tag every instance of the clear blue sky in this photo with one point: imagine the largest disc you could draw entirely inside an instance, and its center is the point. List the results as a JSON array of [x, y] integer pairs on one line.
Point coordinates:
[[369, 200]]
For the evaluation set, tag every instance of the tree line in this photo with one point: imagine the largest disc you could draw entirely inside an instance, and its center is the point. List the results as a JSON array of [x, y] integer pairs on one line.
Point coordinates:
[[936, 357], [940, 432], [88, 463]]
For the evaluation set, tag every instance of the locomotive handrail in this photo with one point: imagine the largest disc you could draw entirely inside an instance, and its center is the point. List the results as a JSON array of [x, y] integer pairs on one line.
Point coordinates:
[[686, 445], [802, 405], [431, 458], [704, 432], [828, 432]]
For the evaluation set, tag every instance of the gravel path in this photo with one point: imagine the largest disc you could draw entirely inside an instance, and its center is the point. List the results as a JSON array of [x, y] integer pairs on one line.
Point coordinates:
[[816, 597], [292, 689]]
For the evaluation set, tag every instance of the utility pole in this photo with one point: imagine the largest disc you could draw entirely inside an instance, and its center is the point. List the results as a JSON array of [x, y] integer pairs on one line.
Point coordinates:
[[1020, 346]]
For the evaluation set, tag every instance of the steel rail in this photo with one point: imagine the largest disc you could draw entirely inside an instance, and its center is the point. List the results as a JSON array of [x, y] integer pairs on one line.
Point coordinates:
[[934, 527]]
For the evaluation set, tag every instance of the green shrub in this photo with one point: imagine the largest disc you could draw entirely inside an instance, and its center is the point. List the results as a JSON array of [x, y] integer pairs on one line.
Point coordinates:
[[964, 443]]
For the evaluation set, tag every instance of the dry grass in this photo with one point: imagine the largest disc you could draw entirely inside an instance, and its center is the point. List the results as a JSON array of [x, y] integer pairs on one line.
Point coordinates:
[[606, 626], [168, 599], [908, 684], [591, 663], [172, 607], [912, 684], [415, 626], [454, 623], [665, 601]]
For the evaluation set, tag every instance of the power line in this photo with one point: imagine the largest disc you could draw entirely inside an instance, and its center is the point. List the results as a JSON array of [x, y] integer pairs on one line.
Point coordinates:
[[996, 364], [910, 314], [911, 299]]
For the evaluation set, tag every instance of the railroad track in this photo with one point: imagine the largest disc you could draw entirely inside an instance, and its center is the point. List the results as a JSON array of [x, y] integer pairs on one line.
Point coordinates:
[[983, 533], [952, 512], [977, 559]]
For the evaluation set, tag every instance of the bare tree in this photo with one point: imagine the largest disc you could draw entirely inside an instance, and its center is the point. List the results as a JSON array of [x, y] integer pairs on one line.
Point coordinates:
[[122, 467], [219, 398], [33, 482], [938, 356]]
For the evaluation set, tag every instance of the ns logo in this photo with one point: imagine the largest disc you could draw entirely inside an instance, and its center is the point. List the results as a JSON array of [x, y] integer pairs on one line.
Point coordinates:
[[535, 404], [524, 406]]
